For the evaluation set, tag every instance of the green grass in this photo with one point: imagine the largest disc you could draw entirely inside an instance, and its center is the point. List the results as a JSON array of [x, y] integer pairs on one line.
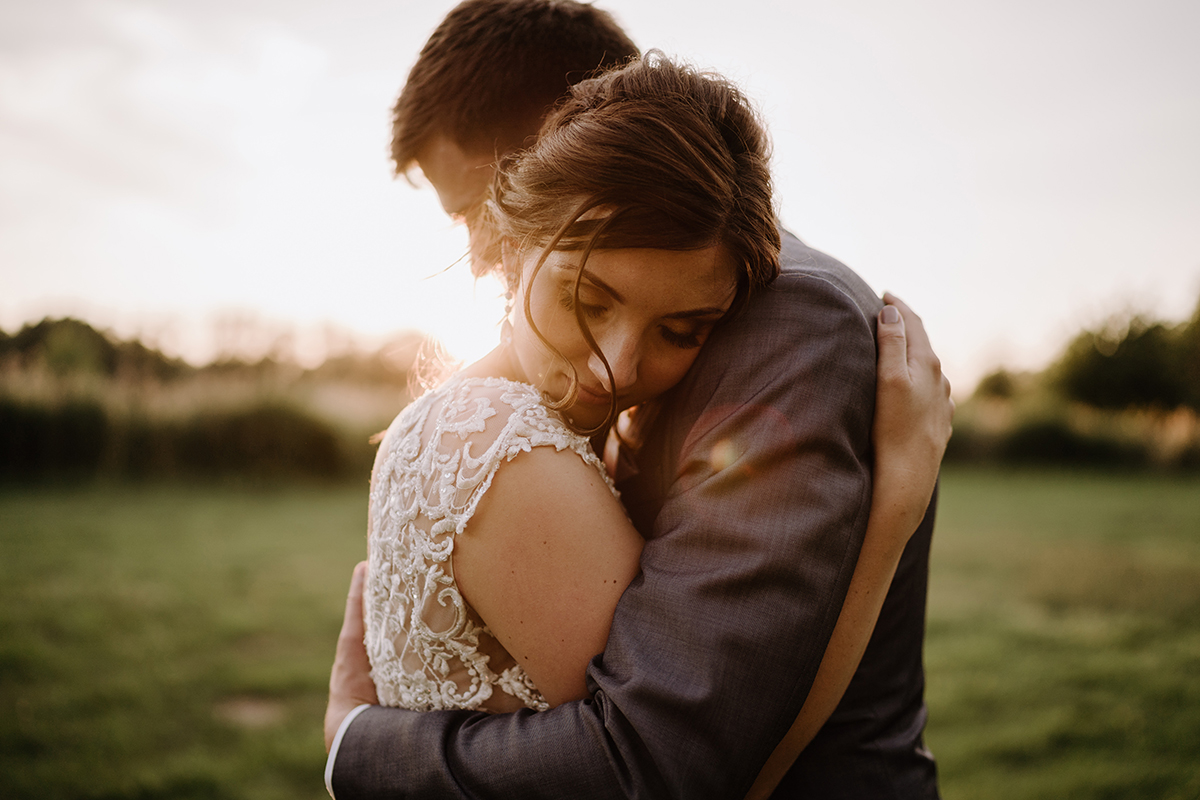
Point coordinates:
[[174, 641], [1063, 648], [170, 642]]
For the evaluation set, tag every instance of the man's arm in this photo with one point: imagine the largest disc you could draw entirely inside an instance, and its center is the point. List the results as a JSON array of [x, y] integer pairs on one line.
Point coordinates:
[[763, 469], [913, 416]]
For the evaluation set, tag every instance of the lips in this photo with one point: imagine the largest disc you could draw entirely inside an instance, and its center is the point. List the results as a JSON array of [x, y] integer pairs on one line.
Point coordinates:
[[592, 397]]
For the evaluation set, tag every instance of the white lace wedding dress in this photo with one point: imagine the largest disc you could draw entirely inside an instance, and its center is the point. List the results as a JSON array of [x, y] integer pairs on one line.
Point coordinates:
[[428, 649]]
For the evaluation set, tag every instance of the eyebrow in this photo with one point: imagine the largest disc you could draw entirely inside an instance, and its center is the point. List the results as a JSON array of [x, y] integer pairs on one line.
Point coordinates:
[[705, 311]]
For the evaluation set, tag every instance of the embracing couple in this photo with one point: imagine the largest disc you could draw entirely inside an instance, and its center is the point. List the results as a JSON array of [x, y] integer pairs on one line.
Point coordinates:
[[671, 537]]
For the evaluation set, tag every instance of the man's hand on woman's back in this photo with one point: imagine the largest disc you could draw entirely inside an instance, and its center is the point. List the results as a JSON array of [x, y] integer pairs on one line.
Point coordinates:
[[350, 683]]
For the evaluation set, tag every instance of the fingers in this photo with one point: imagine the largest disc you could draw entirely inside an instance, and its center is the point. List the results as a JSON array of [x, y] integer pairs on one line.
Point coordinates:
[[918, 340], [919, 348], [903, 307], [350, 676], [893, 345], [352, 622], [350, 682]]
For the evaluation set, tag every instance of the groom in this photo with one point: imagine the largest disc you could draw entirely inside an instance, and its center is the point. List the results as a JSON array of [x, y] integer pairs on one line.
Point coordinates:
[[752, 490]]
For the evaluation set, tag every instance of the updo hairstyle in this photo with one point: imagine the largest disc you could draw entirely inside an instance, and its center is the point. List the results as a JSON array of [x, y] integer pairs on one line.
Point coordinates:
[[649, 155]]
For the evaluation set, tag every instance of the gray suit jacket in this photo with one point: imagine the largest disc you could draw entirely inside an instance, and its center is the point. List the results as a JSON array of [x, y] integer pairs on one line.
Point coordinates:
[[753, 490]]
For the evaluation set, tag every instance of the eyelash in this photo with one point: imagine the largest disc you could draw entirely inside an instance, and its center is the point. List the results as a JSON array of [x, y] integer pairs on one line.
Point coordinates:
[[567, 298], [684, 341]]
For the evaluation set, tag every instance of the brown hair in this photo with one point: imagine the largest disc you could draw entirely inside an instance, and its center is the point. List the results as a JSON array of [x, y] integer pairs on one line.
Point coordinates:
[[492, 68], [654, 155]]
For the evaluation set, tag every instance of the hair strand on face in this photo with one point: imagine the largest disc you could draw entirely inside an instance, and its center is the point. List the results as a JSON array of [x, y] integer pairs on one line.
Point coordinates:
[[650, 155]]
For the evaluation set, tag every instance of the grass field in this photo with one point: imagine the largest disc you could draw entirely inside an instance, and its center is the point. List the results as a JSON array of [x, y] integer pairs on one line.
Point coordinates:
[[1063, 648], [174, 641], [170, 642]]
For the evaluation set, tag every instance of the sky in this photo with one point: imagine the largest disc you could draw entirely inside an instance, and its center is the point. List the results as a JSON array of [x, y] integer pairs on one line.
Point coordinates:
[[213, 176]]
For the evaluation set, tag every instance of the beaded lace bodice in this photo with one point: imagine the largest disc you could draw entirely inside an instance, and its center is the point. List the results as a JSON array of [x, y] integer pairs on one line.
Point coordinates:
[[428, 649]]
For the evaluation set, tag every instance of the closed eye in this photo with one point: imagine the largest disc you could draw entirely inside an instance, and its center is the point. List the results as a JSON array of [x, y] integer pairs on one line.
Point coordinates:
[[689, 340], [590, 310]]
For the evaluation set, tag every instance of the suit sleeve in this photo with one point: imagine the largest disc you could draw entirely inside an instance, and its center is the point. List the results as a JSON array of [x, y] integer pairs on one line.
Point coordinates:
[[761, 463]]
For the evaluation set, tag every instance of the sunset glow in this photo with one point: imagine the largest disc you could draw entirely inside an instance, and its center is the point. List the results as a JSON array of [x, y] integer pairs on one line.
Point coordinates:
[[1008, 171]]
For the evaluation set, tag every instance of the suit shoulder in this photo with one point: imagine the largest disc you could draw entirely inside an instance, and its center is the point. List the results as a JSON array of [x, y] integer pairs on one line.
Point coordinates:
[[811, 330], [814, 298], [822, 278]]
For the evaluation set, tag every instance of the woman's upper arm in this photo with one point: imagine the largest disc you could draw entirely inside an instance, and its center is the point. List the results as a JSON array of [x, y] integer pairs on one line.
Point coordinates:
[[543, 560]]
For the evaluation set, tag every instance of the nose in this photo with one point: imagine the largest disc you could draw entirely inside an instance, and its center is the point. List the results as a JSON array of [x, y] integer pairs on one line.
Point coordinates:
[[622, 351]]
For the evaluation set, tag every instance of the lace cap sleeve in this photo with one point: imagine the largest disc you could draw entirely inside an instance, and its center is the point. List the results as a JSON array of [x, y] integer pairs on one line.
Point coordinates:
[[482, 424], [428, 650]]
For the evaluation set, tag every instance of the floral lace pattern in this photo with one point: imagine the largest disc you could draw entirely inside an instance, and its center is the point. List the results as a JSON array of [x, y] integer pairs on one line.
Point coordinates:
[[428, 649]]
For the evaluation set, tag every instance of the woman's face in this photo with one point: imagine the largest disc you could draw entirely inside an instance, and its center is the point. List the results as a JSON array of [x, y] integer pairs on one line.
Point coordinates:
[[648, 310]]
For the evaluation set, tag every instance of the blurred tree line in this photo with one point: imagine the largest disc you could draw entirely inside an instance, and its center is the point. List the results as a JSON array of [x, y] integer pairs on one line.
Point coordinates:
[[1126, 394], [78, 403]]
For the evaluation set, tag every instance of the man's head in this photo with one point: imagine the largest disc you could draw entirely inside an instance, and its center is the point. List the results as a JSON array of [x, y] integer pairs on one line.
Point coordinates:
[[485, 79]]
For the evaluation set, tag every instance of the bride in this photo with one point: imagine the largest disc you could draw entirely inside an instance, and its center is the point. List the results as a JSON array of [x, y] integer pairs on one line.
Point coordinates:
[[639, 222]]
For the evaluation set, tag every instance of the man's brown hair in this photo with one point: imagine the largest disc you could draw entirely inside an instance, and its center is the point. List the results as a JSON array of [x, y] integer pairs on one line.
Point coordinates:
[[492, 68]]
